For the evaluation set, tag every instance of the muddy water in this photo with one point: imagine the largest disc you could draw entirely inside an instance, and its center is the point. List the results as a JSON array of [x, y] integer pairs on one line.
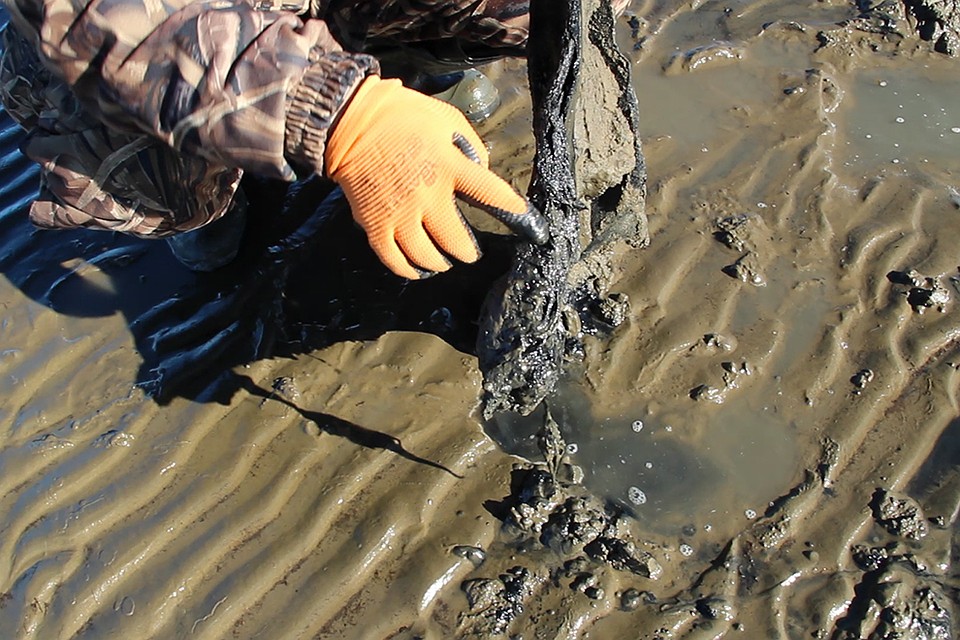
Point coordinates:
[[776, 417], [655, 470], [890, 119]]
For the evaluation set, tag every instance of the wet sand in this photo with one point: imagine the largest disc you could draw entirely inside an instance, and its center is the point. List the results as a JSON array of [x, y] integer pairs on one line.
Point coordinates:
[[777, 419]]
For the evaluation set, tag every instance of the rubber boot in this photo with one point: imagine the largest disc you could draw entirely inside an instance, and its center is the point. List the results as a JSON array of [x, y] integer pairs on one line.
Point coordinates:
[[470, 91], [213, 245]]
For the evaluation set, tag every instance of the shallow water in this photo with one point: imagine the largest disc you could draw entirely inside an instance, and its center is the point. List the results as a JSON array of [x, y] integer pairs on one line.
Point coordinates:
[[659, 469], [893, 119], [690, 467]]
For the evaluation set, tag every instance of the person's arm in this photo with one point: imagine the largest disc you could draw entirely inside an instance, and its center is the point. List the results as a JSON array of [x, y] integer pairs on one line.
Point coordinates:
[[263, 91], [245, 88]]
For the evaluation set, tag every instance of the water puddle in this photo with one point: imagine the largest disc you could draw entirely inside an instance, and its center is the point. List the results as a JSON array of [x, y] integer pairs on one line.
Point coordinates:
[[677, 463], [736, 54], [708, 74], [900, 119], [664, 471]]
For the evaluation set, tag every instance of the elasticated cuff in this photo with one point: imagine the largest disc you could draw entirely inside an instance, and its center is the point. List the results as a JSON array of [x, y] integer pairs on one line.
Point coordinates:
[[316, 103]]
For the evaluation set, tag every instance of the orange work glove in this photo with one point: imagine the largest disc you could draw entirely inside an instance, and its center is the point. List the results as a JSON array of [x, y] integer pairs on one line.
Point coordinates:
[[401, 157]]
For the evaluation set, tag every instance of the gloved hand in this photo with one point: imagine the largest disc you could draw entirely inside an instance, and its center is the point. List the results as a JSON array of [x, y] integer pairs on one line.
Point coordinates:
[[401, 157]]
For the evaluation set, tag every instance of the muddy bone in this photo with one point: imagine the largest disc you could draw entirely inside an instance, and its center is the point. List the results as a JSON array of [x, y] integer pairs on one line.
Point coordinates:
[[589, 180]]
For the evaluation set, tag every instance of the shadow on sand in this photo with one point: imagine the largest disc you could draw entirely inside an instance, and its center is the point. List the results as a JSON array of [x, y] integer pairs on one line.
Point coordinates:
[[305, 279]]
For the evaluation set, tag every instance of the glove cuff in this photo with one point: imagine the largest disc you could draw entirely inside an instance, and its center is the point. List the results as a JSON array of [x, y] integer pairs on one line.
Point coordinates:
[[318, 100]]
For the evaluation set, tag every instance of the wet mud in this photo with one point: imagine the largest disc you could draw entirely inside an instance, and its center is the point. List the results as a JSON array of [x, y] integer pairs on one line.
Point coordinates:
[[760, 438]]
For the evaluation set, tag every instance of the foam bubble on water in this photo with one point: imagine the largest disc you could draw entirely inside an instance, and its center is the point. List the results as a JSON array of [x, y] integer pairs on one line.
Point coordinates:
[[636, 496], [649, 465], [637, 426]]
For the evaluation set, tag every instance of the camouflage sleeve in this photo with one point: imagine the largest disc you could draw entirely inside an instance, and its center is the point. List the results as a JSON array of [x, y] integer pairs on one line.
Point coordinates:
[[239, 86]]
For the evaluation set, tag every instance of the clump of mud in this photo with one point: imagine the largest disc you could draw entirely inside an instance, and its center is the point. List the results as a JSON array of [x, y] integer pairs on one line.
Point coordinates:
[[577, 538], [897, 598], [900, 515], [937, 21], [551, 507], [922, 292], [933, 21], [739, 233]]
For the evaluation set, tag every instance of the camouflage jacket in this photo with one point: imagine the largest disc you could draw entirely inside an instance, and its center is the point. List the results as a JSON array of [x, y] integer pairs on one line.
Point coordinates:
[[143, 114]]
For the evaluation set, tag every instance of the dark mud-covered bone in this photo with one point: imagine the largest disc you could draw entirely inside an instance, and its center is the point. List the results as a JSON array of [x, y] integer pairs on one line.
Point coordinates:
[[589, 181]]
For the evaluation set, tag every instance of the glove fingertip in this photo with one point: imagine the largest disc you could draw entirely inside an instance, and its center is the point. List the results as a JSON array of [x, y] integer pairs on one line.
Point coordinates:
[[404, 270], [531, 224], [485, 190], [393, 259], [423, 274]]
